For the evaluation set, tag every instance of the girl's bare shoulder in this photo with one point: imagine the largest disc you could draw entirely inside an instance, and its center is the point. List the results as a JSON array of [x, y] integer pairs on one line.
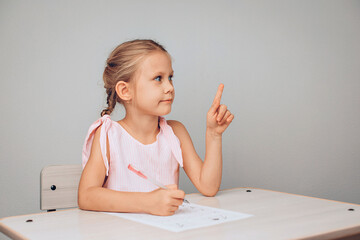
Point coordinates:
[[178, 128], [174, 124]]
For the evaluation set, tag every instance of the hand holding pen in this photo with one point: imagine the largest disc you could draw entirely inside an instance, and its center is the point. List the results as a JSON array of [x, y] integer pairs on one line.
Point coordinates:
[[166, 199]]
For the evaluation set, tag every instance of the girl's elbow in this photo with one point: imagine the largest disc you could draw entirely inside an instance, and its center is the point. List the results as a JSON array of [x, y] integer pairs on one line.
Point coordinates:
[[209, 192], [82, 200], [81, 203]]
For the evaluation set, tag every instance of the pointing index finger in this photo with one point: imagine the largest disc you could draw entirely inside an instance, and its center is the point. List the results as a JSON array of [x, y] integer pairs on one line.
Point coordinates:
[[217, 98]]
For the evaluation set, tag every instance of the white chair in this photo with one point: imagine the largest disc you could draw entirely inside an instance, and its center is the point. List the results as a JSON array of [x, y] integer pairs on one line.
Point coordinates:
[[59, 186]]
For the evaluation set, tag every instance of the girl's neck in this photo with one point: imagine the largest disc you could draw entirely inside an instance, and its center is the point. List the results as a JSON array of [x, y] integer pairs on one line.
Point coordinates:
[[144, 128]]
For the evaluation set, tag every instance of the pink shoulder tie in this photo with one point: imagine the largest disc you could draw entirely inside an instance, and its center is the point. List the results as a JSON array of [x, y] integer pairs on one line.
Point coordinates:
[[105, 123], [172, 140]]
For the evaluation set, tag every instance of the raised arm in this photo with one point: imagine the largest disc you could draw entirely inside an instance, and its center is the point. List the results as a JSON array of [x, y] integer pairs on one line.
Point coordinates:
[[206, 176]]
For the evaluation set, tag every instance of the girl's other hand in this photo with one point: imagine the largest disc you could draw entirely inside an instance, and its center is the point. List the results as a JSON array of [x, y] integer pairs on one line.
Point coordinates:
[[218, 116], [164, 202]]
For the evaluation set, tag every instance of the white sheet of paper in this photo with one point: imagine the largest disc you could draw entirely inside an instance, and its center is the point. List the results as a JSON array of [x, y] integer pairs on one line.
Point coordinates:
[[188, 216]]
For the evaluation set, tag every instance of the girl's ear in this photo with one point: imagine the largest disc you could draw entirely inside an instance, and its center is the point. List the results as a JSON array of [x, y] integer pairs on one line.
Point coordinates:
[[123, 91]]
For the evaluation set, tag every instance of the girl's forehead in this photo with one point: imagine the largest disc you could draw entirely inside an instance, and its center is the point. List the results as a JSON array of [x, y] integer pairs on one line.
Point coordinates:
[[156, 61]]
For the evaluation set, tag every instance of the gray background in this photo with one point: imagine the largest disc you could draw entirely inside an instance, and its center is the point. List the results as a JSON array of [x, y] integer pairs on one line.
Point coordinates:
[[291, 71]]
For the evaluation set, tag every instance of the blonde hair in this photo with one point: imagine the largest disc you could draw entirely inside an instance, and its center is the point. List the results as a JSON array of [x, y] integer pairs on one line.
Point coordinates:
[[122, 64]]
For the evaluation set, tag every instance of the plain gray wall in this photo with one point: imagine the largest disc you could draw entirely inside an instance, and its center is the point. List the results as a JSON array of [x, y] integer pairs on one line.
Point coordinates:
[[291, 71]]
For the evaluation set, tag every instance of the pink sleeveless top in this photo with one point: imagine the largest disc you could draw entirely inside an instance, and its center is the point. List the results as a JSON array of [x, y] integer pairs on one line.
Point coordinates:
[[160, 159]]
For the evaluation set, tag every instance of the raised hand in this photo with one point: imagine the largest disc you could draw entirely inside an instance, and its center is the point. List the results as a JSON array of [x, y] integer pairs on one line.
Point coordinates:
[[218, 116]]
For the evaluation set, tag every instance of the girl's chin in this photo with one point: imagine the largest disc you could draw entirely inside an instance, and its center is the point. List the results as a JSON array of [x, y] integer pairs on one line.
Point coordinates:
[[166, 112]]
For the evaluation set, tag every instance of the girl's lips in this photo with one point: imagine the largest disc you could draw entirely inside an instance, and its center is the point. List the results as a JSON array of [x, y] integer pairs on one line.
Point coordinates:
[[166, 101]]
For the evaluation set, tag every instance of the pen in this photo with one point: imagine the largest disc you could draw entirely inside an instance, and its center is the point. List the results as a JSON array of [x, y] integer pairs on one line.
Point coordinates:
[[145, 176]]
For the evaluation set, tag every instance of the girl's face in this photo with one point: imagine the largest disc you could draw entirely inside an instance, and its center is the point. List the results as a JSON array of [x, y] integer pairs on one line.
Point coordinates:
[[154, 90]]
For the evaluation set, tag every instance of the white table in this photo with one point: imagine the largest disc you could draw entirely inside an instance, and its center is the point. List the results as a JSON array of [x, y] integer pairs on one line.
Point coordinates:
[[277, 215]]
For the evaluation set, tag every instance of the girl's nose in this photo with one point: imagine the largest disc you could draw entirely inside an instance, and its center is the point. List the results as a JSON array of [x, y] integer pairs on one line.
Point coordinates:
[[168, 86]]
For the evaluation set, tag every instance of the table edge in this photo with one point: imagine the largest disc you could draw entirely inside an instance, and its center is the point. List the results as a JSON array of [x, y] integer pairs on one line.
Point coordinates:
[[10, 233]]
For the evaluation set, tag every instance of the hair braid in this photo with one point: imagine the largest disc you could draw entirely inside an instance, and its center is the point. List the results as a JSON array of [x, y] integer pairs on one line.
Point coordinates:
[[110, 101]]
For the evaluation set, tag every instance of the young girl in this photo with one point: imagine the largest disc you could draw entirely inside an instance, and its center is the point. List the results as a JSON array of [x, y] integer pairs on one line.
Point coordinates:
[[139, 76]]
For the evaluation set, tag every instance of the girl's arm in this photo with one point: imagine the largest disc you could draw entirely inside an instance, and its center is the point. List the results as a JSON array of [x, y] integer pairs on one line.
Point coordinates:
[[92, 196], [206, 176]]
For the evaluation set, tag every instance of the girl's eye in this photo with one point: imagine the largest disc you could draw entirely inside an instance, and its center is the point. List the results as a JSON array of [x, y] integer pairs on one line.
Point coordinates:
[[171, 78], [158, 78]]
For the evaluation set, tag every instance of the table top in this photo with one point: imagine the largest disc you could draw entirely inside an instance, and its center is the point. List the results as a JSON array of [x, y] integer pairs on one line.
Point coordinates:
[[277, 215]]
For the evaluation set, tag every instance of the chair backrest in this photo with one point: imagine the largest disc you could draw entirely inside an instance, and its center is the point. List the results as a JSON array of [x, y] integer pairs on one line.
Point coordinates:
[[59, 186]]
